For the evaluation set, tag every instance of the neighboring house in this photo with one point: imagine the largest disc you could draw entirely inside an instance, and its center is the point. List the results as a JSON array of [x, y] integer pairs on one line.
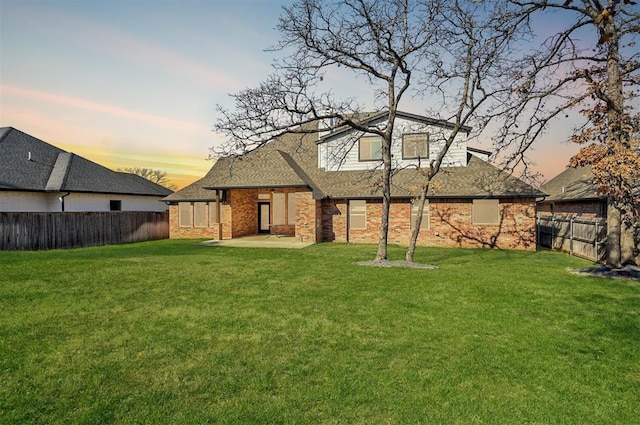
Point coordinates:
[[38, 177], [326, 187], [572, 193]]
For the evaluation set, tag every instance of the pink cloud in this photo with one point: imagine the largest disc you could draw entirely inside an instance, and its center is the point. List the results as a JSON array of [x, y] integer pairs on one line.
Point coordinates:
[[87, 105], [122, 44]]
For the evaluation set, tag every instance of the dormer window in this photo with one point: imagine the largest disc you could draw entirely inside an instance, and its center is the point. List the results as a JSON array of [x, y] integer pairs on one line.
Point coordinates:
[[370, 148], [415, 145]]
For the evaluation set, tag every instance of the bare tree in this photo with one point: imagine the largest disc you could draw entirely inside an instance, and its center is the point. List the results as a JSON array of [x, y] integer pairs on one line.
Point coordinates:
[[465, 72], [156, 176], [586, 65], [381, 42]]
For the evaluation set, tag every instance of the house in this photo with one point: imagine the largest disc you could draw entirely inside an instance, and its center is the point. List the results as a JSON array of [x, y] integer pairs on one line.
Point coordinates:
[[325, 187], [38, 177], [572, 193]]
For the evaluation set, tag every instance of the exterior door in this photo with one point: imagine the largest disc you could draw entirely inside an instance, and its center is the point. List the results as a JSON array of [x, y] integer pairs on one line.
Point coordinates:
[[264, 210]]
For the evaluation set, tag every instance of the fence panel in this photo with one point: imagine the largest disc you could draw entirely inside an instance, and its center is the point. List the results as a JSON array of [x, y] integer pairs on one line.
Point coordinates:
[[35, 231], [581, 237]]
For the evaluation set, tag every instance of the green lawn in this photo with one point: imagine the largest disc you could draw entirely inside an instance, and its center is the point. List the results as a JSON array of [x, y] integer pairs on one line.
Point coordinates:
[[175, 332]]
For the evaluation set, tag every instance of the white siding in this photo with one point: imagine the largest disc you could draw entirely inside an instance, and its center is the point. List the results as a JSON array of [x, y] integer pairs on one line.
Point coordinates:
[[76, 202], [28, 202], [100, 202], [341, 153]]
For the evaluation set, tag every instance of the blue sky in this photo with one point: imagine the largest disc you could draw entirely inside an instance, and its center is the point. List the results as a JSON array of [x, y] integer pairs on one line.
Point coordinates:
[[135, 82]]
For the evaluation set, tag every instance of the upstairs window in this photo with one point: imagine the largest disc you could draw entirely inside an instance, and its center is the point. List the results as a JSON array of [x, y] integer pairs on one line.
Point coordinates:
[[370, 148], [115, 205], [415, 146]]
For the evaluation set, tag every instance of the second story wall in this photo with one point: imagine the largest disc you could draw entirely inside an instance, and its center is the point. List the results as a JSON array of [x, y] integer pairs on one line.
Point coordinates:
[[415, 143]]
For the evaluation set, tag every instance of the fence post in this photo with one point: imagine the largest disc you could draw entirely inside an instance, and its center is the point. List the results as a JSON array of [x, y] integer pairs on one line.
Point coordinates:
[[571, 236], [595, 243]]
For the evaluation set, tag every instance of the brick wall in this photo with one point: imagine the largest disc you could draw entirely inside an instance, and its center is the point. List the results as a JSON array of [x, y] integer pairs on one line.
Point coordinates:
[[334, 220], [450, 224], [177, 232], [243, 208], [239, 216], [584, 209], [308, 222]]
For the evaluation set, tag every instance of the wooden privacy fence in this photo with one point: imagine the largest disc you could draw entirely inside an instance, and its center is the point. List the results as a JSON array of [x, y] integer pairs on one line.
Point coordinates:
[[34, 231], [581, 237]]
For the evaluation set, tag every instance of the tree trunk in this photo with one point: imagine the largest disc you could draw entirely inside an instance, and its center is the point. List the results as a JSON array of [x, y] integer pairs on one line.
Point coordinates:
[[627, 240], [615, 111], [381, 255], [613, 236], [415, 232]]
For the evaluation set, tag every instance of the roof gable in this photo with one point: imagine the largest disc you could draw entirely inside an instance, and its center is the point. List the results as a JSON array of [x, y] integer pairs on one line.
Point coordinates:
[[572, 184], [292, 161], [379, 117]]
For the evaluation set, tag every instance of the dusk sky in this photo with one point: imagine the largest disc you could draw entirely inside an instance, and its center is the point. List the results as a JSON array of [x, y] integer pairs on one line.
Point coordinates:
[[135, 82]]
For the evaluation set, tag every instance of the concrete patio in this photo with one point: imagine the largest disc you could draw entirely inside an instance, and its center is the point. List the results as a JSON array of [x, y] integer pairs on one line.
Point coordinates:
[[261, 241]]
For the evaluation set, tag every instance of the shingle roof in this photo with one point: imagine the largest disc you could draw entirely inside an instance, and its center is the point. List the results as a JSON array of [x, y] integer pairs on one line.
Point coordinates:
[[30, 164], [383, 115], [572, 184], [292, 160]]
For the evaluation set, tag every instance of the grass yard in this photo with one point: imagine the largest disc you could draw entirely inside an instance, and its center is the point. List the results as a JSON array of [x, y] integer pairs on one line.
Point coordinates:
[[175, 332]]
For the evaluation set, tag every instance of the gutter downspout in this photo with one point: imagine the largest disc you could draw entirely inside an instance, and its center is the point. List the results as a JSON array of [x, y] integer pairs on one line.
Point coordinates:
[[61, 198]]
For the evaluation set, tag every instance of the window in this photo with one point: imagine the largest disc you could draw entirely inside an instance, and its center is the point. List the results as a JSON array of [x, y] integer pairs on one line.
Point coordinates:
[[486, 211], [278, 208], [291, 208], [184, 214], [370, 148], [424, 224], [415, 145], [358, 214], [115, 205], [213, 213], [199, 214]]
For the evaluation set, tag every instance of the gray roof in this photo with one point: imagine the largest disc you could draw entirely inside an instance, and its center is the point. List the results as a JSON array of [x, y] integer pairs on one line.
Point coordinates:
[[291, 161], [373, 117], [572, 184], [30, 164]]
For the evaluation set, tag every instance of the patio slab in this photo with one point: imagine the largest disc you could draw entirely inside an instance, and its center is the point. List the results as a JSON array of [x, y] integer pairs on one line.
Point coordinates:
[[261, 241]]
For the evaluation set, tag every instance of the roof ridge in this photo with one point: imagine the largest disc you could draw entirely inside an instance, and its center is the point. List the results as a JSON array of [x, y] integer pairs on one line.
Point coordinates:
[[297, 168], [6, 132], [59, 172]]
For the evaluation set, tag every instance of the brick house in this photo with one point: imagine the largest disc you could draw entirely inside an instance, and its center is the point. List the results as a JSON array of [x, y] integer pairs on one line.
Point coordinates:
[[324, 187], [573, 194]]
